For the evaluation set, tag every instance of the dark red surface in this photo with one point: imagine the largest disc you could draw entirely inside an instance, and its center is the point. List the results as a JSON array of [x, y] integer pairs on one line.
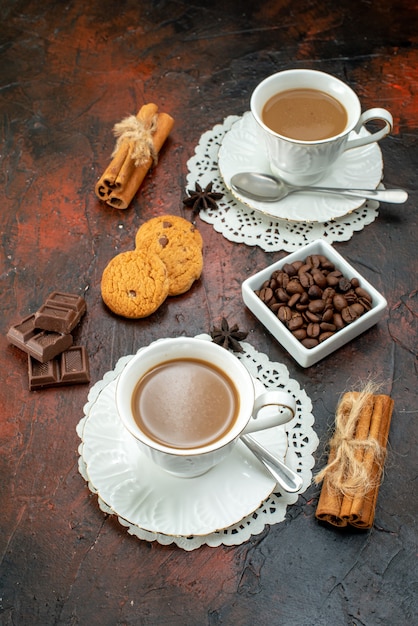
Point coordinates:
[[68, 72]]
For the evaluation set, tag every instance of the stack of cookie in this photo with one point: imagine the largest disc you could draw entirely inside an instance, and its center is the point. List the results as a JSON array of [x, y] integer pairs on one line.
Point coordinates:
[[166, 261]]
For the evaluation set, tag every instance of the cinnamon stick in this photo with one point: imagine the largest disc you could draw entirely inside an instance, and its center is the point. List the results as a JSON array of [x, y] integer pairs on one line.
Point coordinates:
[[125, 174], [363, 509], [362, 432], [344, 506]]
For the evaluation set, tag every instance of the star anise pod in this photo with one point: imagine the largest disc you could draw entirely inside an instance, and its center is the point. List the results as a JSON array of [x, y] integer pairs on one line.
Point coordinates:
[[227, 337], [200, 198]]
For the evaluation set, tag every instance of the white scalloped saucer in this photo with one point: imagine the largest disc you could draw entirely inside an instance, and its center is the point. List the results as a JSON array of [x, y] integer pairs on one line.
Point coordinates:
[[141, 493], [243, 150]]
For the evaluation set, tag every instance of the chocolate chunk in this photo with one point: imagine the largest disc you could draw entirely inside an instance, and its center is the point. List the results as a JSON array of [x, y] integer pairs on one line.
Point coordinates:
[[42, 345], [60, 312], [69, 368]]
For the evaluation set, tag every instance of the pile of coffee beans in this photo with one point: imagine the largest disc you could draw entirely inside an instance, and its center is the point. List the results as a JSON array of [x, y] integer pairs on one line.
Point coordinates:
[[313, 299]]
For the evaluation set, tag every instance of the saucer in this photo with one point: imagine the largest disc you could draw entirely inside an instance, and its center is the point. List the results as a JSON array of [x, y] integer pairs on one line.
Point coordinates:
[[242, 150], [147, 497]]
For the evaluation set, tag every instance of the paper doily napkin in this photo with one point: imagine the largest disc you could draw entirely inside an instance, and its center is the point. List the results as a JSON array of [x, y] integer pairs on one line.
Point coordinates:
[[302, 442], [239, 224]]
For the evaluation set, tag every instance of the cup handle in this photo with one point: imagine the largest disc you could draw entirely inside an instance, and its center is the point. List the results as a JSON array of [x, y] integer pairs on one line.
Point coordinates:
[[283, 410], [371, 114]]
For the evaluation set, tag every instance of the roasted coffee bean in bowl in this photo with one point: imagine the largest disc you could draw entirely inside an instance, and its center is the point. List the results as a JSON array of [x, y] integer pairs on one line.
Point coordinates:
[[313, 302]]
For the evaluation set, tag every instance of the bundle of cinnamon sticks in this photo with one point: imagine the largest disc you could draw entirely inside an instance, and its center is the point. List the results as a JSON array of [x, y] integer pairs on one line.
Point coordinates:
[[140, 138], [357, 454]]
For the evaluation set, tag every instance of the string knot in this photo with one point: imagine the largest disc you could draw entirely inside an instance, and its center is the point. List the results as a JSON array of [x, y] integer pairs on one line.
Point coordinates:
[[347, 472], [140, 135]]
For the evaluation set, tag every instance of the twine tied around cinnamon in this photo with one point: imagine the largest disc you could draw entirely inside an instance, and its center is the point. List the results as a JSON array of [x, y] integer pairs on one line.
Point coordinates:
[[139, 132], [346, 472]]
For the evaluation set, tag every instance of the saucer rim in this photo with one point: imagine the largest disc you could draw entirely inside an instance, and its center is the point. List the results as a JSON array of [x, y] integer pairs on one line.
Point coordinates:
[[253, 205]]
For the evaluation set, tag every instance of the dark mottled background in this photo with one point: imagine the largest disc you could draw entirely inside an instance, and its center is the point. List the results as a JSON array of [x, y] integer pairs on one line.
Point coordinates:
[[68, 72]]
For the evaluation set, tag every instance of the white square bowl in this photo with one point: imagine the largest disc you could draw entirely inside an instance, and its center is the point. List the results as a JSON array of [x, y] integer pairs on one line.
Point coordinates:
[[308, 356]]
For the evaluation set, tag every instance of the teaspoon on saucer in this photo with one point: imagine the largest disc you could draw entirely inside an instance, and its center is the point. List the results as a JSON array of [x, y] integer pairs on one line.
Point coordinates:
[[283, 475], [267, 188]]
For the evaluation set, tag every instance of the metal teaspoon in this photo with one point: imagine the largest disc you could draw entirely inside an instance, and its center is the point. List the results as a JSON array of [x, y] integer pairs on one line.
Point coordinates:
[[283, 475], [267, 188]]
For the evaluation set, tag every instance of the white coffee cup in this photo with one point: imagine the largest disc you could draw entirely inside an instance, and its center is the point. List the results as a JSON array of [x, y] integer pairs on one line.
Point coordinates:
[[305, 162], [255, 412]]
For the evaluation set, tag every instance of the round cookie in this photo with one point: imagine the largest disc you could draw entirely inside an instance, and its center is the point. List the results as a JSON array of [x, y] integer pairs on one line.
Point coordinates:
[[134, 284], [179, 244], [164, 224]]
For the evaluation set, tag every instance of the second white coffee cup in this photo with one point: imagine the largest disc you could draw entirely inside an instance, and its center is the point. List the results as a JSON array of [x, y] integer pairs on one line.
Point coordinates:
[[301, 162], [253, 412]]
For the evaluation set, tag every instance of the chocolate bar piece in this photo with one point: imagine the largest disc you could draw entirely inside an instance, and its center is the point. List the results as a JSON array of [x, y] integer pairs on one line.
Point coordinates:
[[42, 345], [69, 368], [60, 312]]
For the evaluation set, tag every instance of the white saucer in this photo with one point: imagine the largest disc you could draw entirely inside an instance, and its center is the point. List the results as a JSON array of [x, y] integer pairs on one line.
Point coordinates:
[[242, 150], [149, 498]]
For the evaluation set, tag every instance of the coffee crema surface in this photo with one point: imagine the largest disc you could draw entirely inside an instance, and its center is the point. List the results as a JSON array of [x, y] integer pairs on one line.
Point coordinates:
[[305, 115], [185, 403]]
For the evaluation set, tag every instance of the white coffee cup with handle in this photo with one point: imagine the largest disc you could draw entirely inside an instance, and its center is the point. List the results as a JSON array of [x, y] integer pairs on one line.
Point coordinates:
[[252, 411], [304, 162]]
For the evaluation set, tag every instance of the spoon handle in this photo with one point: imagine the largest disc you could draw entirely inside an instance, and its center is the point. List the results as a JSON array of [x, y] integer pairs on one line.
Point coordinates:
[[395, 196], [284, 476]]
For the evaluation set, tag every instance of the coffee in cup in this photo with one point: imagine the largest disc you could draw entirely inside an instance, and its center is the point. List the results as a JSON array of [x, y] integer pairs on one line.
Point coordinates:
[[307, 119], [305, 115], [186, 401]]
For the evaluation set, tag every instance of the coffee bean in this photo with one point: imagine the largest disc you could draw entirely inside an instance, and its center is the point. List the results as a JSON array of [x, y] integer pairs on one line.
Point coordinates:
[[327, 327], [316, 306], [282, 279], [273, 284], [310, 342], [315, 292], [284, 314], [299, 333], [295, 322], [338, 321], [297, 265], [314, 260], [281, 294], [339, 302], [328, 294], [366, 304], [344, 284], [324, 336], [306, 267], [362, 293], [351, 313], [319, 278], [294, 286], [313, 329], [351, 296], [311, 317], [333, 278], [266, 295], [328, 313], [293, 300], [326, 264], [358, 308], [306, 279], [290, 269]]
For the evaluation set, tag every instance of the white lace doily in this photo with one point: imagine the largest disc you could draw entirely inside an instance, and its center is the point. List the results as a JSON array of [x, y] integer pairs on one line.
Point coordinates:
[[302, 442], [238, 223]]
